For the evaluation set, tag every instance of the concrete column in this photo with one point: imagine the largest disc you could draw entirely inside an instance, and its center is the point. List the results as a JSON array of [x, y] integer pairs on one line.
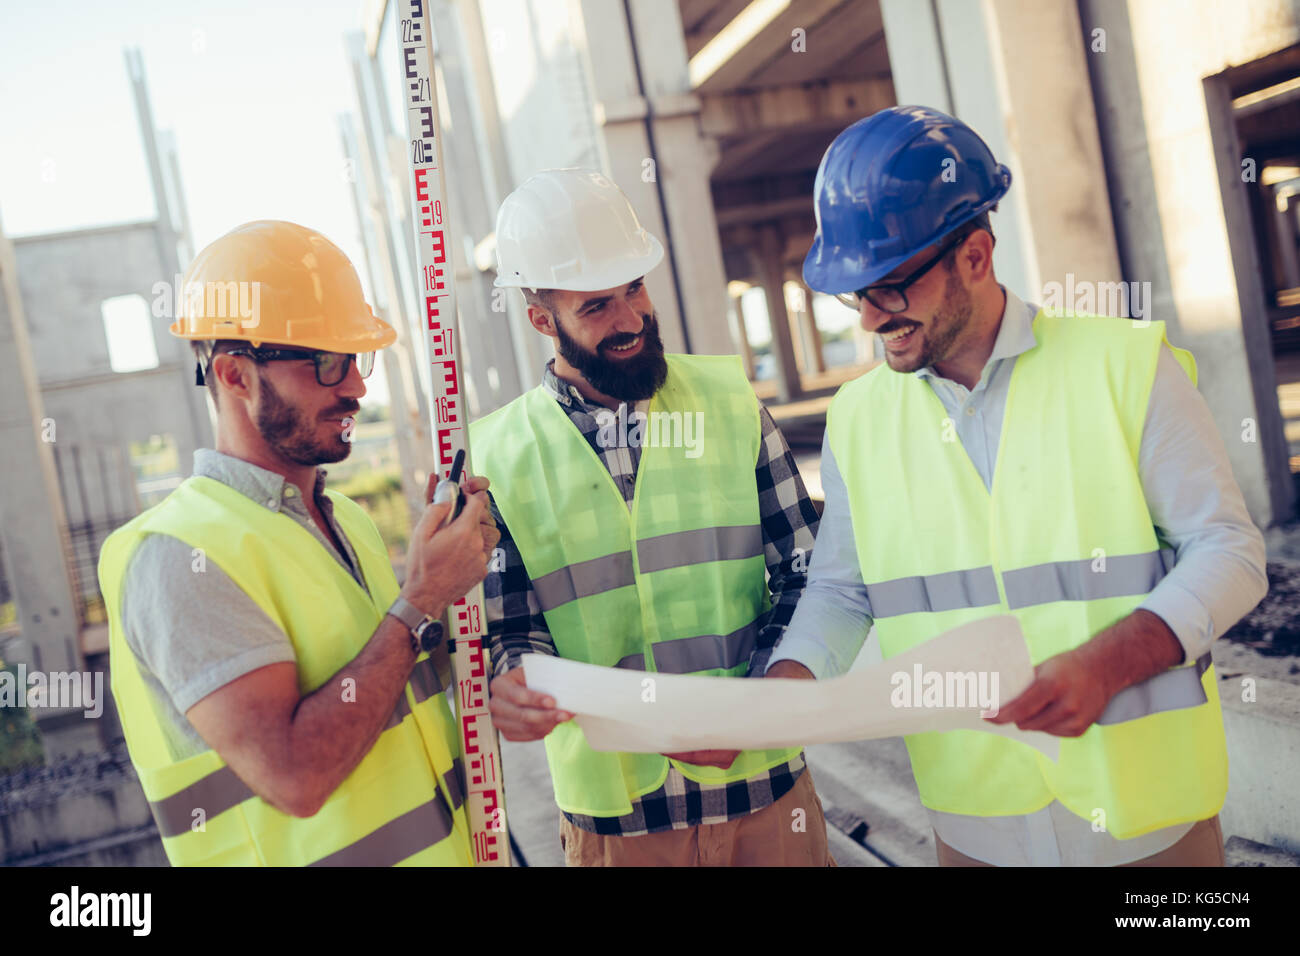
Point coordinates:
[[200, 433], [1182, 210], [409, 409], [917, 65], [398, 409], [531, 350], [809, 334], [647, 122], [32, 519], [485, 332], [771, 270], [742, 336]]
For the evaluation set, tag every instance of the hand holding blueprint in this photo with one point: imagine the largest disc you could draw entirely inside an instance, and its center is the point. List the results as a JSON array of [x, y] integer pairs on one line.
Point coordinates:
[[942, 684]]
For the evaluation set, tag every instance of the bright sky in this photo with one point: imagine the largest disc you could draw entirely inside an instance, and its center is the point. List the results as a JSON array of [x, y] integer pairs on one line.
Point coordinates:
[[251, 89]]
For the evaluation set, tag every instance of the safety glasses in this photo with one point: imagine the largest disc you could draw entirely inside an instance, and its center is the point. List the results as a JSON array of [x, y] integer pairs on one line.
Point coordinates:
[[892, 296], [331, 367]]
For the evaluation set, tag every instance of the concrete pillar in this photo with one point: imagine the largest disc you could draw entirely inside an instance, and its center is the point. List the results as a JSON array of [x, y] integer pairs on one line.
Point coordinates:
[[531, 349], [485, 332], [809, 334], [32, 519], [409, 409], [1080, 126], [409, 461], [771, 270], [1182, 211], [741, 335], [199, 416], [648, 132]]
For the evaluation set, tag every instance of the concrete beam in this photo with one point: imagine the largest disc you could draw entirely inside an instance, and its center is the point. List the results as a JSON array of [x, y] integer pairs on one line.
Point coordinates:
[[794, 107], [747, 59]]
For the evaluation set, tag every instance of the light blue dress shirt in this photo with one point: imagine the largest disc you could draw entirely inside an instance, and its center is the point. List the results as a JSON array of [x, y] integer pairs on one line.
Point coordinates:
[[1196, 506]]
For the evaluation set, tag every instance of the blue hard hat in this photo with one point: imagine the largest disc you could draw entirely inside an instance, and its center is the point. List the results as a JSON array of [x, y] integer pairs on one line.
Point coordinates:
[[886, 189]]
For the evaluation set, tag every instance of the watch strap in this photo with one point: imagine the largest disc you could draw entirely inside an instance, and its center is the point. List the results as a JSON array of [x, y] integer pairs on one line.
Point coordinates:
[[407, 613]]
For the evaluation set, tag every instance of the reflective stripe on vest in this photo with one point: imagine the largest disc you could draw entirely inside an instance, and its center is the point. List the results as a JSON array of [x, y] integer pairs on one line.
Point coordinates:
[[388, 809], [675, 584], [1063, 540]]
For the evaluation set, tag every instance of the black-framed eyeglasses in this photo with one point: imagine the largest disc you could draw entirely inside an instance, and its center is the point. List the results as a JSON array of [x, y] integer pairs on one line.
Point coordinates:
[[331, 367], [892, 296]]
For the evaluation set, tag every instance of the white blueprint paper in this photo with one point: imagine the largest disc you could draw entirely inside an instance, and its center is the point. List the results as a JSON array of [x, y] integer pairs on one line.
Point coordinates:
[[640, 712]]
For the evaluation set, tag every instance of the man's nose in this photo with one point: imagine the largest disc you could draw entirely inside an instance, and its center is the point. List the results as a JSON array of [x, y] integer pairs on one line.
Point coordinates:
[[871, 317], [353, 385], [628, 320]]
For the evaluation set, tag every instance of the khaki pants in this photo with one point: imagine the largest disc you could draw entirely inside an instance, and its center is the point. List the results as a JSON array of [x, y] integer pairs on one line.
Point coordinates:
[[1202, 845], [768, 837]]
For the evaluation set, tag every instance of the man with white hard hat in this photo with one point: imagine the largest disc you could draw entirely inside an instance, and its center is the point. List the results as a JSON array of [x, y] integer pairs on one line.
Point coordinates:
[[624, 551]]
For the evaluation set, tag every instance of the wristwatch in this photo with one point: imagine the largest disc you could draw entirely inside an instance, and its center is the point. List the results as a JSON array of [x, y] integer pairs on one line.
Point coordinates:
[[426, 630]]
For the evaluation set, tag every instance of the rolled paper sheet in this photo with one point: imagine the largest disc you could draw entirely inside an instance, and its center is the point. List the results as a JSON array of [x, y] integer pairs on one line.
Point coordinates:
[[940, 685]]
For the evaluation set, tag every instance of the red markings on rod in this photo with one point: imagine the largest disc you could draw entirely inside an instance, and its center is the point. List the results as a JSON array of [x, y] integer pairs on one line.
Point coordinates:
[[441, 341], [445, 408], [450, 380], [433, 278], [469, 622], [446, 448], [481, 770]]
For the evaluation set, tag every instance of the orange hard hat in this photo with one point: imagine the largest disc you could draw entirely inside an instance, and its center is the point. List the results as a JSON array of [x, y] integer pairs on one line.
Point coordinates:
[[278, 283]]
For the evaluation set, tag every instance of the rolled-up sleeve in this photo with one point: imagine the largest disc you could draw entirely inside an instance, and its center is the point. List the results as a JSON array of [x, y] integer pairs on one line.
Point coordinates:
[[1195, 503]]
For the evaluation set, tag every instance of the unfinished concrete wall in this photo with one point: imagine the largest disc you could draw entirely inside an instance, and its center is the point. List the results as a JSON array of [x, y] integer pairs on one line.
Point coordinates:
[[1169, 209], [64, 279]]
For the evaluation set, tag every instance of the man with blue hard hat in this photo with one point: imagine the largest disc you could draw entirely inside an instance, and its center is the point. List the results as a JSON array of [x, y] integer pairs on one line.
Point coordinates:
[[1003, 460]]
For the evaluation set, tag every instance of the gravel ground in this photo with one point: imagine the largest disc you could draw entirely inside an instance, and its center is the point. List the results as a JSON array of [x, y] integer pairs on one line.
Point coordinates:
[[1266, 642], [39, 786]]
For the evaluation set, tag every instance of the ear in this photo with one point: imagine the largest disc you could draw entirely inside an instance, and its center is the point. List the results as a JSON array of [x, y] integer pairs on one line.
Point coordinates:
[[976, 256], [233, 375], [542, 320]]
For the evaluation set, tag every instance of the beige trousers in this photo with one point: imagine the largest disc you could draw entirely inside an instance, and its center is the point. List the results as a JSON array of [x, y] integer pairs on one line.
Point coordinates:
[[774, 836]]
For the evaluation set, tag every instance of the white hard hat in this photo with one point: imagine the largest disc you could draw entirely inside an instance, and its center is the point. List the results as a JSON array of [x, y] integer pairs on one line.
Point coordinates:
[[571, 229]]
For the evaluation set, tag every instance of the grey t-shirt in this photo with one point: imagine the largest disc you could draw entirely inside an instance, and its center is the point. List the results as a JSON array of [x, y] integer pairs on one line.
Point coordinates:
[[189, 625]]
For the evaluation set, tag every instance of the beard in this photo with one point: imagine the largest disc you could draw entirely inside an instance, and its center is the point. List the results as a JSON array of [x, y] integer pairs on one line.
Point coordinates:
[[290, 436], [950, 321], [628, 380]]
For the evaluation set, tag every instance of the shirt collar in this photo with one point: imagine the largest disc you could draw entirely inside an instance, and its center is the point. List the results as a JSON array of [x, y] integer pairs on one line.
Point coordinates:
[[560, 390], [252, 481], [1015, 334]]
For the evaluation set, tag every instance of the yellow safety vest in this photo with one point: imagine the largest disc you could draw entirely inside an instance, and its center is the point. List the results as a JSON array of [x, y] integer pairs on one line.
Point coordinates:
[[401, 804], [1063, 541], [675, 585]]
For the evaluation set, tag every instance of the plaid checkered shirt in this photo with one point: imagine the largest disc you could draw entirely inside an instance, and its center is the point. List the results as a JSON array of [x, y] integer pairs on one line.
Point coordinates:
[[516, 625]]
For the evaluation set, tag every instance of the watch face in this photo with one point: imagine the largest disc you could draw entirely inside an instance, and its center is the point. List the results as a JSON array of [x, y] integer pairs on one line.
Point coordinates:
[[430, 635]]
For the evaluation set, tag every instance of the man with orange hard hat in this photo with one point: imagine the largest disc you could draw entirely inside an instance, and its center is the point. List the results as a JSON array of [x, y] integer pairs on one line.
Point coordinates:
[[276, 686]]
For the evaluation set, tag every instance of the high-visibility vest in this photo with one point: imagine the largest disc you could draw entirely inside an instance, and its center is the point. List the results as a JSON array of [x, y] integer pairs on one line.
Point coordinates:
[[675, 585], [1063, 541], [401, 804]]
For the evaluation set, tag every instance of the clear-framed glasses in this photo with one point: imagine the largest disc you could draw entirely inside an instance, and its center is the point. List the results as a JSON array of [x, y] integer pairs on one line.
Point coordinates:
[[331, 367], [892, 296]]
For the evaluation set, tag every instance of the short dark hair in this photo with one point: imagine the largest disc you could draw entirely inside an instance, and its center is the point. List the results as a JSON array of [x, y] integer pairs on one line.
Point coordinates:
[[205, 351], [961, 232]]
